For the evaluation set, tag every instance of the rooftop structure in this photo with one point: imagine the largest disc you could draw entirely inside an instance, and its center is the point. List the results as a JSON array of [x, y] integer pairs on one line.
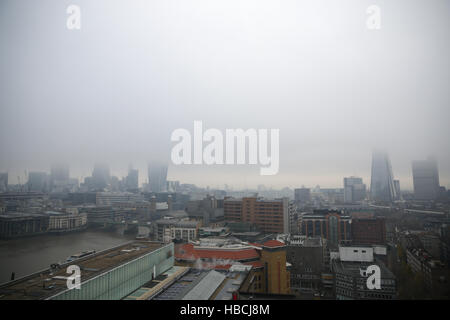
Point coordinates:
[[109, 274]]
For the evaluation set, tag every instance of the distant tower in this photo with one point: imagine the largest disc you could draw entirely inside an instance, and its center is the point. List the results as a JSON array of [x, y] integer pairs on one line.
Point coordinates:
[[425, 179], [101, 176], [382, 181], [132, 180], [157, 177]]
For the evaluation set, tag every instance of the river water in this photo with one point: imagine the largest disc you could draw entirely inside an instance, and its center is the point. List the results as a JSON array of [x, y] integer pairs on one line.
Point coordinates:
[[27, 255]]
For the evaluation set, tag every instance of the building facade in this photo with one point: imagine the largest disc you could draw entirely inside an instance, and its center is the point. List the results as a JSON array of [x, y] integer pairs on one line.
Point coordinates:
[[270, 216]]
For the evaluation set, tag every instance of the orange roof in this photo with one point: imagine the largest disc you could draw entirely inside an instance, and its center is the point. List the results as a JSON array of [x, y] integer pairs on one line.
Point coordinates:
[[189, 252], [273, 244]]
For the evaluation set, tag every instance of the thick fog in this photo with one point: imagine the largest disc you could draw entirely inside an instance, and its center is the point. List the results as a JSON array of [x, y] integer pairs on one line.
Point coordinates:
[[116, 89]]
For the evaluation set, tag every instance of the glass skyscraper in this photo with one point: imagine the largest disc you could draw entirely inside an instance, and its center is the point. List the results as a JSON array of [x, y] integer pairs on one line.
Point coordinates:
[[382, 186]]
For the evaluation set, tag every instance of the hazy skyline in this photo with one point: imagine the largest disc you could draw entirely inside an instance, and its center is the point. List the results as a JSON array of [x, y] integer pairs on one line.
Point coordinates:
[[115, 90]]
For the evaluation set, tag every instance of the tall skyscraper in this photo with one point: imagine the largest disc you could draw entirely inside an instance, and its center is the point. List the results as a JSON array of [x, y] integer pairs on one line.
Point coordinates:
[[425, 179], [3, 181], [157, 177], [59, 172], [382, 181], [132, 180], [100, 176], [354, 189], [37, 181]]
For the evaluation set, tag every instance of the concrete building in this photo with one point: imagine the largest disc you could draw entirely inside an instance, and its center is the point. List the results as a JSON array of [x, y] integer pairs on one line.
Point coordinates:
[[351, 277], [425, 179]]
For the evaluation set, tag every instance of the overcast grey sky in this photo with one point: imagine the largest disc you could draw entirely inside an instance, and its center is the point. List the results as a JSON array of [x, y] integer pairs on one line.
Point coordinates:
[[137, 70]]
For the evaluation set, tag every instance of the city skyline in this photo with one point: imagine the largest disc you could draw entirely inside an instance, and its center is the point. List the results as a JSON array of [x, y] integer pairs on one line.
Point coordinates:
[[406, 181], [334, 88]]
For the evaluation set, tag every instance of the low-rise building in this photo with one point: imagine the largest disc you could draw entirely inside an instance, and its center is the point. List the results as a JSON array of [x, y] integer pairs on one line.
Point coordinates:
[[65, 222], [169, 229]]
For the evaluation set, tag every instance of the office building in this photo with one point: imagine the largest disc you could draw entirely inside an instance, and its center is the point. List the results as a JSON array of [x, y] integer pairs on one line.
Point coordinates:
[[425, 179], [382, 179], [332, 225], [270, 216], [100, 176], [354, 190]]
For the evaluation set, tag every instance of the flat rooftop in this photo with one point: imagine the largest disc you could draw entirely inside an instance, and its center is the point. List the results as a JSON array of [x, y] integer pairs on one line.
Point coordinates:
[[47, 283], [205, 284]]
